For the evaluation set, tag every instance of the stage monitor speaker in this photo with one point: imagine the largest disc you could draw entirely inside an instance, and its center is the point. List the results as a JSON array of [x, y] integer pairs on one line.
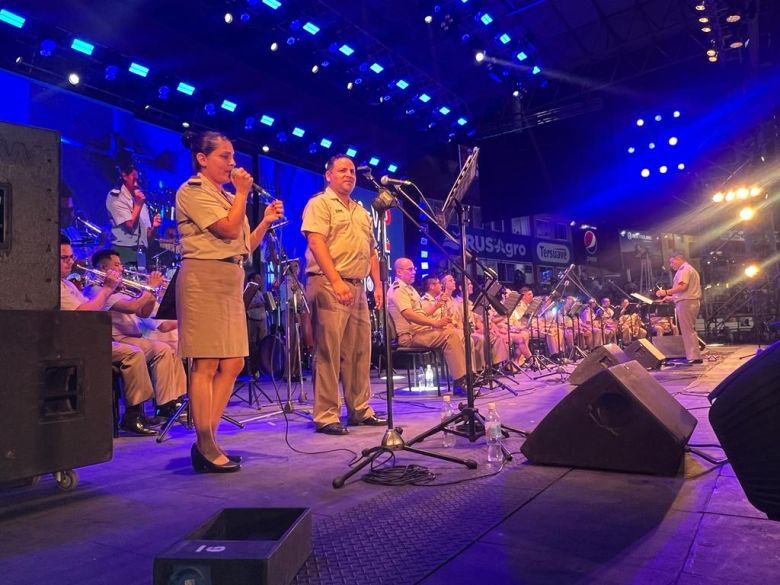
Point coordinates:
[[601, 358], [55, 393], [645, 353], [621, 419], [745, 416], [672, 346], [29, 218], [266, 546]]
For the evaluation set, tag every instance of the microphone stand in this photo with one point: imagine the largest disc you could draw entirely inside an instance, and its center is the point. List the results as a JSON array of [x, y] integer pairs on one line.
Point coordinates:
[[392, 440]]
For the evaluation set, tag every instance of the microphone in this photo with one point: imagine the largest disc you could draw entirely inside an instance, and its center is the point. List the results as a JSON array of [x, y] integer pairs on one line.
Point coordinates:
[[384, 200], [255, 187], [364, 170], [387, 180]]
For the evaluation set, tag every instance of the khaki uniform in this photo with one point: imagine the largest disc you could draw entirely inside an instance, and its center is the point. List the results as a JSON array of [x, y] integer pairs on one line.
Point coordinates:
[[342, 334], [686, 308], [401, 297]]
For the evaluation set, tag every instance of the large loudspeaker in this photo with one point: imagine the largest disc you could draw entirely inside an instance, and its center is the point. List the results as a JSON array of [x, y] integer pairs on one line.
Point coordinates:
[[672, 345], [29, 218], [621, 419], [55, 392], [645, 353], [601, 358], [745, 416]]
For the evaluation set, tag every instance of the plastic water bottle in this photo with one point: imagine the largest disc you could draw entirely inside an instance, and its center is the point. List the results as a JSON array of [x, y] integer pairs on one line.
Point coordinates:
[[419, 379], [428, 377], [448, 439], [493, 436]]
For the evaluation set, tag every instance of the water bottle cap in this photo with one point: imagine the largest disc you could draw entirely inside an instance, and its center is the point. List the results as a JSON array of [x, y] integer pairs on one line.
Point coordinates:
[[491, 405], [446, 398]]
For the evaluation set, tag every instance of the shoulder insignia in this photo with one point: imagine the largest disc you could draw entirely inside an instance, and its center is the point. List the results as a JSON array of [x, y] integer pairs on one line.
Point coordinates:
[[195, 182], [114, 192]]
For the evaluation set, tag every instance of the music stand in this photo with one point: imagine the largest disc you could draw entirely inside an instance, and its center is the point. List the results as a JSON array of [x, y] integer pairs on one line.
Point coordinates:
[[459, 187], [489, 295], [167, 311]]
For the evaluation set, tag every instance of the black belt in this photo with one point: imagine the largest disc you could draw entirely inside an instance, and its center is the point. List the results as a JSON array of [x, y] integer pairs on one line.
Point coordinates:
[[233, 260], [354, 281]]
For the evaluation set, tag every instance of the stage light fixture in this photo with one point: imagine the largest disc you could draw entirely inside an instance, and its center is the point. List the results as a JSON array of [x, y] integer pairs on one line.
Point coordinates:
[[82, 46], [486, 19], [351, 152], [424, 98], [504, 38], [755, 191], [249, 123], [706, 28], [325, 143], [228, 18], [676, 114], [662, 169], [742, 193], [521, 56], [681, 166], [479, 56], [358, 80], [704, 20], [346, 50], [245, 17], [299, 132], [281, 136], [267, 120], [700, 6], [315, 68], [392, 168], [274, 46], [266, 148], [729, 196], [736, 44], [651, 146], [311, 28], [401, 84], [376, 68], [711, 52], [185, 88], [444, 110], [163, 92], [640, 122], [139, 70], [733, 18], [274, 4], [229, 106], [111, 72], [516, 93], [645, 173], [185, 124], [658, 118], [718, 197], [350, 85], [373, 161], [712, 59], [47, 47], [428, 19], [536, 70], [672, 140], [291, 41], [210, 109], [751, 271], [631, 150], [9, 17], [74, 79], [462, 121], [312, 148]]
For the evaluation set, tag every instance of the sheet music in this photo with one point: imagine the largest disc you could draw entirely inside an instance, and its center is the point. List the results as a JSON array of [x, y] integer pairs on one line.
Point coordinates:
[[642, 298]]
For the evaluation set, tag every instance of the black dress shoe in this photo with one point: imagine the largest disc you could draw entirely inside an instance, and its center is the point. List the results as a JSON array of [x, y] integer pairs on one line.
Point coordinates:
[[136, 426], [372, 421], [168, 409], [333, 429], [200, 463], [233, 458], [699, 361]]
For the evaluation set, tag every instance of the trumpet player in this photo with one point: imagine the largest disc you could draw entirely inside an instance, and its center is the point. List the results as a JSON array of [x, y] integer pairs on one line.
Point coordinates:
[[165, 369], [129, 359]]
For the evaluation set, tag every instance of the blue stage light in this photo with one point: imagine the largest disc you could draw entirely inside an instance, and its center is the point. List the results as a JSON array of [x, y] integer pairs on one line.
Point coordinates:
[[245, 17], [82, 46], [662, 169], [111, 72], [444, 110], [462, 121], [325, 143], [640, 122], [676, 114], [267, 120], [351, 152], [291, 41], [391, 168], [651, 146], [346, 49], [139, 70], [210, 109], [275, 4], [13, 19], [185, 88], [681, 166], [673, 141], [486, 19], [521, 56], [402, 84], [505, 38], [658, 118], [424, 98], [645, 173], [228, 105], [47, 47], [373, 161], [423, 266], [163, 92], [631, 150], [299, 132], [311, 28], [377, 68], [424, 254], [536, 70], [281, 136]]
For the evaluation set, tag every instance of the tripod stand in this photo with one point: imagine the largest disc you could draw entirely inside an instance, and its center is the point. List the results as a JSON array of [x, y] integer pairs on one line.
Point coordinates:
[[488, 376]]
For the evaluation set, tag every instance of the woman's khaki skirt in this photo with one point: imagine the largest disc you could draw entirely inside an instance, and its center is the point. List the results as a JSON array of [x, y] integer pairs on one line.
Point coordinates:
[[210, 309]]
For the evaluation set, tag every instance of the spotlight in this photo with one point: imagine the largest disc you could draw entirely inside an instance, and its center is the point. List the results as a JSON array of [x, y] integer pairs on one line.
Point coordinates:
[[712, 59], [711, 52], [672, 140], [640, 122], [631, 150], [479, 56], [651, 146], [733, 18], [265, 148], [350, 85], [718, 197], [736, 44], [662, 169], [755, 191], [700, 6], [681, 166], [645, 173], [706, 28], [729, 196], [742, 193], [185, 124], [658, 117], [428, 19], [274, 46], [752, 270], [676, 114], [704, 20], [228, 18], [746, 213], [315, 68], [516, 93], [74, 79]]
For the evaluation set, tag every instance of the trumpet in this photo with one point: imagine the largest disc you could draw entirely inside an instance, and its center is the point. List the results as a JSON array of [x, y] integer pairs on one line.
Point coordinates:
[[133, 287]]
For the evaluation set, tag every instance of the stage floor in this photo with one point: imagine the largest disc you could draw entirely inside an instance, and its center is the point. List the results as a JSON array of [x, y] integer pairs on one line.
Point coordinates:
[[526, 524]]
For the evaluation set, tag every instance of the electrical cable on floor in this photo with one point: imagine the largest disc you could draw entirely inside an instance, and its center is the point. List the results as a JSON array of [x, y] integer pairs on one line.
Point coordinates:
[[706, 457]]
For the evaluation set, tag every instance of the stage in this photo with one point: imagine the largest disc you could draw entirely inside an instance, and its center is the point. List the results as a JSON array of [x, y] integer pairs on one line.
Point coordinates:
[[525, 524]]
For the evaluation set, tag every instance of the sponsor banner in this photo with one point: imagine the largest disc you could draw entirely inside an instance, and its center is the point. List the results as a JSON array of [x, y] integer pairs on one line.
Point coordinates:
[[552, 253], [496, 245]]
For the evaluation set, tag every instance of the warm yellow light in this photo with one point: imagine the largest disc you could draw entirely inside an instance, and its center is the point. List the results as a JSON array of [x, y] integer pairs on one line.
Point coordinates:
[[752, 271], [742, 193], [712, 59], [704, 20], [730, 196], [733, 18], [736, 44], [718, 197], [755, 191], [711, 52], [700, 6], [746, 214], [706, 29]]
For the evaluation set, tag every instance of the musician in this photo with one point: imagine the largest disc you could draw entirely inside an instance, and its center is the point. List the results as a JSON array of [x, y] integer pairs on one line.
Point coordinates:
[[216, 241], [434, 298], [686, 295], [341, 253], [131, 226], [453, 309], [416, 329], [608, 323], [591, 324], [257, 319], [630, 323], [167, 372], [129, 359], [663, 326], [517, 329]]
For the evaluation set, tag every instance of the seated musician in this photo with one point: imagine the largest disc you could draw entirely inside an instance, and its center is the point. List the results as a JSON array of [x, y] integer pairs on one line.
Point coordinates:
[[551, 327], [630, 325], [663, 326], [415, 328], [591, 324], [128, 359], [516, 328], [166, 369], [608, 322]]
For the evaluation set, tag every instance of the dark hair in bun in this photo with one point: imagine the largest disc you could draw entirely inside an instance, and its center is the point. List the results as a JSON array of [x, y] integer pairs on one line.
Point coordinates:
[[205, 142]]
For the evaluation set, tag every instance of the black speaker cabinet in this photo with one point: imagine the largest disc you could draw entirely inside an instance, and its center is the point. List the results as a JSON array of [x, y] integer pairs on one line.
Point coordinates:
[[55, 392], [601, 358], [645, 353], [263, 546], [745, 416], [671, 346], [29, 218], [621, 419]]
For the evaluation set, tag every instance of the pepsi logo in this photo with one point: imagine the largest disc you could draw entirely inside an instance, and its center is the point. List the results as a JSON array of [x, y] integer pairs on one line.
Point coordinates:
[[590, 241]]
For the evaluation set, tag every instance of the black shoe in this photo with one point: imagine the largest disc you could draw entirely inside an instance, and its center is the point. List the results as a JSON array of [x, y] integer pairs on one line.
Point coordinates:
[[168, 409], [233, 458], [699, 361], [371, 421], [200, 463], [136, 426], [333, 429]]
